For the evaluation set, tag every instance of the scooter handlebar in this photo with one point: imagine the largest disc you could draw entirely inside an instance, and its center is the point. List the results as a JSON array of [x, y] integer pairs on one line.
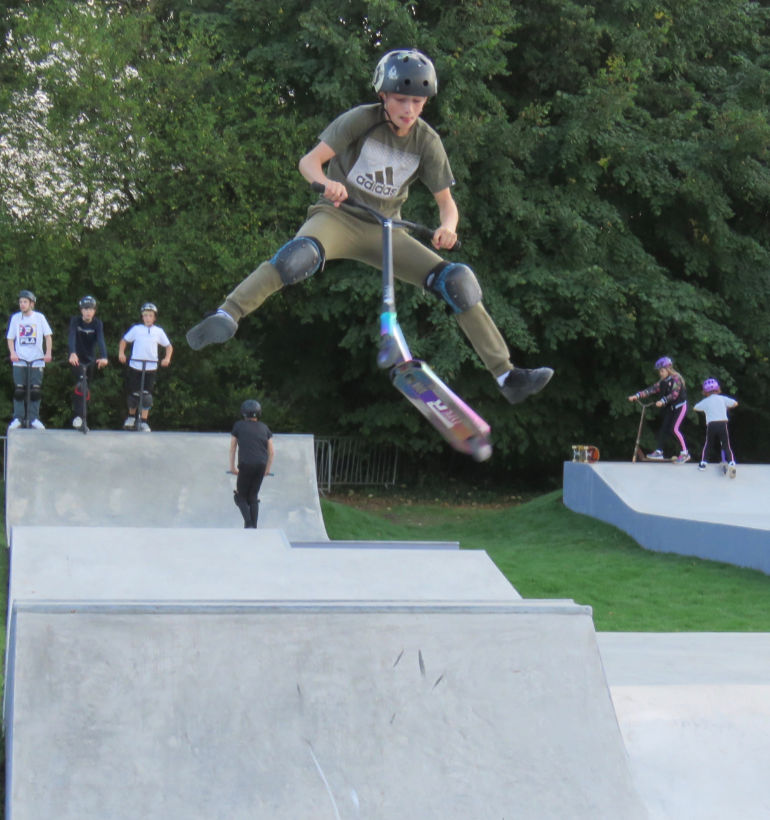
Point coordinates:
[[423, 232]]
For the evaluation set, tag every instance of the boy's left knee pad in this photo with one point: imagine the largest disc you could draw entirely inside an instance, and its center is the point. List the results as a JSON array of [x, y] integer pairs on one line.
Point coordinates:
[[456, 284]]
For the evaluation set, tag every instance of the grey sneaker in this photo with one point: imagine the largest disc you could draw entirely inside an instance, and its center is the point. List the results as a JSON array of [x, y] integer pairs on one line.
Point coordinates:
[[144, 427], [522, 382], [14, 424], [36, 424], [656, 455], [129, 422], [683, 458], [216, 328]]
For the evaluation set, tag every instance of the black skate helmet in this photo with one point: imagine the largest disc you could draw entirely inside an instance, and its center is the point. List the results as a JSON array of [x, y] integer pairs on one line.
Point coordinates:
[[251, 409], [406, 71], [149, 306], [27, 294], [87, 302]]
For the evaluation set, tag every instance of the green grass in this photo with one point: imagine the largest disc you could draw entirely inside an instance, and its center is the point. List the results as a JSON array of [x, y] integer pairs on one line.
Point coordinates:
[[547, 551]]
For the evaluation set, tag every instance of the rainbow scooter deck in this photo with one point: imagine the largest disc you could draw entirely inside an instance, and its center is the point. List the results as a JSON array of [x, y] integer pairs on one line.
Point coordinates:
[[462, 428]]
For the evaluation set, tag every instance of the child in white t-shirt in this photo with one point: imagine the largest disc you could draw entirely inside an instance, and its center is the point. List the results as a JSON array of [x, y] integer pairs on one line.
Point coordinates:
[[30, 345], [145, 340], [715, 407]]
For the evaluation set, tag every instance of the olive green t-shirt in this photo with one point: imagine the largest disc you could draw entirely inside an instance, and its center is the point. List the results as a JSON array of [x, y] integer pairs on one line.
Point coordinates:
[[377, 166]]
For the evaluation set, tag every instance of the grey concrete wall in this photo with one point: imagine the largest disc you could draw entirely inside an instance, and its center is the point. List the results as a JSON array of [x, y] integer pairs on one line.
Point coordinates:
[[676, 508], [451, 712]]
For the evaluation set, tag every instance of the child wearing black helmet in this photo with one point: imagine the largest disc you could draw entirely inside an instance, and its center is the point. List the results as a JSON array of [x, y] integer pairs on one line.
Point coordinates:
[[672, 391], [87, 350], [252, 443], [30, 344], [715, 406], [376, 151]]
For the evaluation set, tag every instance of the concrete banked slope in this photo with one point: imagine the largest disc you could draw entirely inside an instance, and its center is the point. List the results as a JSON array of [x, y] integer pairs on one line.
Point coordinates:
[[188, 668]]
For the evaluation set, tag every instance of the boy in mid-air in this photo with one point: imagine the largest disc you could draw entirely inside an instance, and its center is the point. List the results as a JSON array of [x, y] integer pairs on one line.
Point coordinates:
[[374, 152]]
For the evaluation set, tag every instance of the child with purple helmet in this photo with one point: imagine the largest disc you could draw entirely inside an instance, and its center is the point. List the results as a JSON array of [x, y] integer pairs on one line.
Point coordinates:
[[672, 390], [715, 406]]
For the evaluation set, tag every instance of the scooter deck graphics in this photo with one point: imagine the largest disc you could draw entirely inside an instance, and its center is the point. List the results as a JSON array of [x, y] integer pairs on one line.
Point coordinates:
[[461, 426]]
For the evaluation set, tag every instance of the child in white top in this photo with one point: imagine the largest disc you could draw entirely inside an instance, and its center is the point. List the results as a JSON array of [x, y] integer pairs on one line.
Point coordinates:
[[145, 339], [715, 406], [30, 344]]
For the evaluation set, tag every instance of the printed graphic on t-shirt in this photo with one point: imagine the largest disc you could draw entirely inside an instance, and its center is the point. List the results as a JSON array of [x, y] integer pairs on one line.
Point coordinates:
[[27, 335], [381, 170]]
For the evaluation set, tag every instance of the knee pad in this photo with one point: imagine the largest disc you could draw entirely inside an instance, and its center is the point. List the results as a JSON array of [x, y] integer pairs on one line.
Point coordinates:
[[134, 401], [456, 284], [299, 259], [20, 392], [35, 392]]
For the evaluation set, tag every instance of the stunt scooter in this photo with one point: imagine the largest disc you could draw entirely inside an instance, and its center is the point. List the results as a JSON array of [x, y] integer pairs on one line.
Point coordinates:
[[638, 452], [26, 422], [460, 425], [137, 425], [81, 389]]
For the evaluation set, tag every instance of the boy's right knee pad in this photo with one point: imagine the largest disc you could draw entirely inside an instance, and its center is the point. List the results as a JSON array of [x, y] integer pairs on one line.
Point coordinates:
[[20, 392], [298, 259]]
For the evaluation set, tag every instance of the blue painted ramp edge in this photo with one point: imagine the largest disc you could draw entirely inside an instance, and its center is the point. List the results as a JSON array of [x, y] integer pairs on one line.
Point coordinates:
[[587, 493]]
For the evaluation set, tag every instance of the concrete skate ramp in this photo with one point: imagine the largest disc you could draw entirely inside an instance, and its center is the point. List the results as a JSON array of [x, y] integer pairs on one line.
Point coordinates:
[[694, 712], [310, 711], [129, 564], [677, 508], [126, 479]]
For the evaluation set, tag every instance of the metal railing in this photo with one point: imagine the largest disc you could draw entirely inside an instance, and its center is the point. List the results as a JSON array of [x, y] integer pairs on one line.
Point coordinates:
[[349, 461]]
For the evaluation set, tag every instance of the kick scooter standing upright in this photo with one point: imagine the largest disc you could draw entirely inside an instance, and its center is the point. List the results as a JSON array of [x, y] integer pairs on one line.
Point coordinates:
[[460, 425], [82, 390], [30, 392]]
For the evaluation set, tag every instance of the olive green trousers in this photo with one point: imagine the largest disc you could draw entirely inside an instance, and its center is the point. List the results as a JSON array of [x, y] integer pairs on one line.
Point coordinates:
[[345, 236]]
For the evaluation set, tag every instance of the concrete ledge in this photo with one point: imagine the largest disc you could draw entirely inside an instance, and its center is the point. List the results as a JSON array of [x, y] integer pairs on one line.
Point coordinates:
[[728, 521], [120, 563]]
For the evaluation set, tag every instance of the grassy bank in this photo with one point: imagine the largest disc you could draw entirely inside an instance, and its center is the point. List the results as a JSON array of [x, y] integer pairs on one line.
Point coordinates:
[[547, 551]]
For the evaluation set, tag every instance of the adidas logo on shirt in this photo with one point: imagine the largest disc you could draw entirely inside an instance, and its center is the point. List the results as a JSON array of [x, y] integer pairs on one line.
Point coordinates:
[[379, 183]]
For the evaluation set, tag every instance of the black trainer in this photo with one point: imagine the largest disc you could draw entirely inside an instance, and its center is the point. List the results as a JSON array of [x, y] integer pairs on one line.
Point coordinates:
[[215, 328], [522, 382]]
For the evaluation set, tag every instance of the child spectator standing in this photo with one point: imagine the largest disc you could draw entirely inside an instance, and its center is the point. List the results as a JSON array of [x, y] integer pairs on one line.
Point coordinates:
[[87, 350], [715, 407], [252, 440], [673, 396], [376, 151], [145, 339], [30, 340]]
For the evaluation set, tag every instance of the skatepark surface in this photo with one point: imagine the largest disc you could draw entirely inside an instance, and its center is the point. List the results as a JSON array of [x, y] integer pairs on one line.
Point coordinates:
[[185, 667], [678, 508], [127, 479]]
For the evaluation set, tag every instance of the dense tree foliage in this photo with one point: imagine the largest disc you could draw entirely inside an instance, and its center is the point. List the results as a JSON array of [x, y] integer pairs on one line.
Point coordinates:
[[612, 173]]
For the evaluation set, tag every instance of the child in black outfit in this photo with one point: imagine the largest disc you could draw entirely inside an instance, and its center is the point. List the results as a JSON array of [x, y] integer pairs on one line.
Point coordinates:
[[673, 397], [87, 350], [253, 442]]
